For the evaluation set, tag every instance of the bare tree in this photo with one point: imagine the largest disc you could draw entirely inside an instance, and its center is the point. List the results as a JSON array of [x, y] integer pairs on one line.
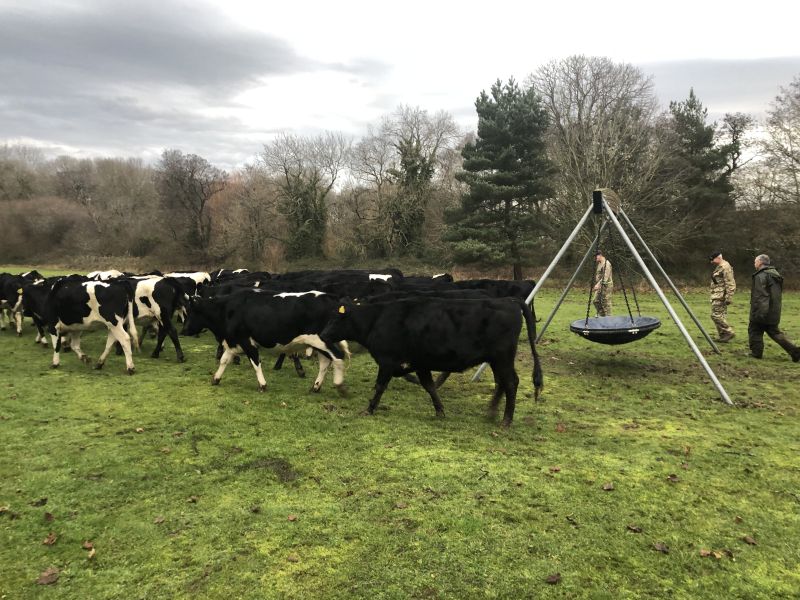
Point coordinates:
[[306, 170], [186, 183], [605, 131], [781, 148]]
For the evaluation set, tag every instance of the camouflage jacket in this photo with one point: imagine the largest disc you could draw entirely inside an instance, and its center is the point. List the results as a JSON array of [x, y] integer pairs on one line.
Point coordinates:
[[603, 274], [723, 285]]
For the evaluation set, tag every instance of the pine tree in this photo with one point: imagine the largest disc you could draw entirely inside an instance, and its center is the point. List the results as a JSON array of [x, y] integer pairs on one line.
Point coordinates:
[[507, 174], [705, 178]]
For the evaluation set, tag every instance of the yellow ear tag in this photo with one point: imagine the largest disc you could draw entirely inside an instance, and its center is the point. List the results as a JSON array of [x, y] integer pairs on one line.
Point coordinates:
[[19, 291], [341, 309]]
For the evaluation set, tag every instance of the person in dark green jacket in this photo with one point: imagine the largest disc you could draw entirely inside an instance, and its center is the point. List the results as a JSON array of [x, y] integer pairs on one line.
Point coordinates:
[[765, 310]]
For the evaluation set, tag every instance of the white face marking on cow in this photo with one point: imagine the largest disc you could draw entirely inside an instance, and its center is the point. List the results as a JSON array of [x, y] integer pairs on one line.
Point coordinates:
[[374, 276], [438, 275], [298, 294]]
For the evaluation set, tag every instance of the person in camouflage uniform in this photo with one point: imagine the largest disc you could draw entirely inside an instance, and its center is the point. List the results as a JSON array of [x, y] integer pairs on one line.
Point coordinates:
[[603, 285], [723, 285], [765, 310]]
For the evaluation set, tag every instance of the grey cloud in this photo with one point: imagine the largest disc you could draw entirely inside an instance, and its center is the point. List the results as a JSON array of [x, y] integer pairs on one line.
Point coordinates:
[[88, 76], [724, 85]]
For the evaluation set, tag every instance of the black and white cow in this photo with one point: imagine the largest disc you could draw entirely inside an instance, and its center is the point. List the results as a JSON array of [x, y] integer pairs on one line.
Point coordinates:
[[439, 334], [246, 319], [11, 305], [74, 304], [156, 301], [34, 302]]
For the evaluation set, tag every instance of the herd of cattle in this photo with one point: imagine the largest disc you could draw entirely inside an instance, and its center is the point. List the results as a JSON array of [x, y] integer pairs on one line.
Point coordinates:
[[408, 324]]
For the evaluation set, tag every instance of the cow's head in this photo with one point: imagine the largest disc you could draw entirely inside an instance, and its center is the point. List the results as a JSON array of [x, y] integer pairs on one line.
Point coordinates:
[[195, 320]]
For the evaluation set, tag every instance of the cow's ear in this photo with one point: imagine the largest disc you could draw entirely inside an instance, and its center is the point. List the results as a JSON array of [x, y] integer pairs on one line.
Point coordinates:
[[342, 309]]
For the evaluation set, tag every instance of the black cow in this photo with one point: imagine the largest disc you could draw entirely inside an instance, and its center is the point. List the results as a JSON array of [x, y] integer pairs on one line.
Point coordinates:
[[74, 304], [34, 302], [432, 334], [246, 319]]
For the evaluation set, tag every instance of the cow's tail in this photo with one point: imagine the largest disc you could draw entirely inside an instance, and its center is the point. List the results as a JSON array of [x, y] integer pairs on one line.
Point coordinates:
[[130, 288], [530, 323]]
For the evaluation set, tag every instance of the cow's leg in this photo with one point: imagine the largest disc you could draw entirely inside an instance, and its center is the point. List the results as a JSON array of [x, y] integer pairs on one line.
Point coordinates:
[[124, 339], [426, 380], [2, 319], [324, 363], [18, 321], [298, 366], [56, 339], [252, 353], [111, 342], [381, 383], [509, 381], [442, 378], [225, 359], [173, 335], [75, 344], [279, 361]]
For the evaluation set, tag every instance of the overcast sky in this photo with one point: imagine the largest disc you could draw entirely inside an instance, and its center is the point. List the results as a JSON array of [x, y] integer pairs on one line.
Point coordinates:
[[219, 79]]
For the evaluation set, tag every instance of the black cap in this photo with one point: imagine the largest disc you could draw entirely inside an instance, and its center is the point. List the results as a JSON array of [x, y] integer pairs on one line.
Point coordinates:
[[714, 255]]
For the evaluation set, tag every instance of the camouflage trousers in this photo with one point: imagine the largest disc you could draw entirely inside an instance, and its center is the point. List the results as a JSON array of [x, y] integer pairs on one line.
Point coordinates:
[[602, 302], [755, 334], [719, 314]]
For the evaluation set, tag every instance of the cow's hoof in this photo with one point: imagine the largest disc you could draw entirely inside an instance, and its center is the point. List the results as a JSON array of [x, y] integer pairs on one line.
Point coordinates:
[[214, 381], [342, 389], [85, 359], [54, 366], [154, 354], [19, 334], [237, 360], [262, 388], [131, 371], [316, 387], [181, 358], [440, 414], [301, 374], [98, 366], [506, 423]]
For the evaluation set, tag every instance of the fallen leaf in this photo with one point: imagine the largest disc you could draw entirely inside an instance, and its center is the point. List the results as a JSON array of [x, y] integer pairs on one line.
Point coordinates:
[[255, 509], [684, 465], [749, 540], [4, 509], [673, 478], [634, 528], [633, 425], [293, 558], [661, 547], [738, 519], [705, 552], [716, 554], [608, 486], [192, 499], [495, 434], [401, 505], [555, 469], [139, 429], [48, 516], [292, 518], [91, 554], [87, 545], [560, 427], [177, 433], [553, 579], [50, 539], [39, 502], [48, 576], [165, 450], [158, 520]]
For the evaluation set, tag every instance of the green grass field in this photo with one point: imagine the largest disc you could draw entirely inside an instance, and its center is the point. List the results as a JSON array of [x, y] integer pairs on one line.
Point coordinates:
[[185, 490]]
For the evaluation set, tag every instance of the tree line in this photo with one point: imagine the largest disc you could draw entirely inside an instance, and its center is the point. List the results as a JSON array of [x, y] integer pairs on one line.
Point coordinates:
[[416, 187]]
